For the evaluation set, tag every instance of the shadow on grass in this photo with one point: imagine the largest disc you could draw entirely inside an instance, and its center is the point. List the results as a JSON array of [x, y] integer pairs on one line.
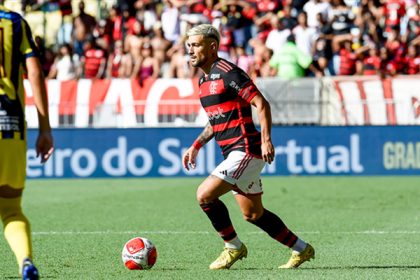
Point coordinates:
[[364, 267], [335, 267]]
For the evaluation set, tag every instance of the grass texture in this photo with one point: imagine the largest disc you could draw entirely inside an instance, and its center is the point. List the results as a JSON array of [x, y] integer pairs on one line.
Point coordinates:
[[361, 228]]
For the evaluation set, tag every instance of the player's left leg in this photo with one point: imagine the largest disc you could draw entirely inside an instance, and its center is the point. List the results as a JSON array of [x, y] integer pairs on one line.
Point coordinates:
[[16, 229], [208, 195], [254, 212]]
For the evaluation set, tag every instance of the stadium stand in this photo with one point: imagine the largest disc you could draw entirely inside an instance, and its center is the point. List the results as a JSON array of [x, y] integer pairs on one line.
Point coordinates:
[[343, 39]]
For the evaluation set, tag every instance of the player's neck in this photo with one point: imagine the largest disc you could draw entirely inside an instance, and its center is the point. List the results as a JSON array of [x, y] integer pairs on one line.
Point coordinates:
[[209, 65]]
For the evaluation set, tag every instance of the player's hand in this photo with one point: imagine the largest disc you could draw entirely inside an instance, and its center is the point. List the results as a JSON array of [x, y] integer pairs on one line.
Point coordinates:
[[44, 145], [189, 157], [267, 151]]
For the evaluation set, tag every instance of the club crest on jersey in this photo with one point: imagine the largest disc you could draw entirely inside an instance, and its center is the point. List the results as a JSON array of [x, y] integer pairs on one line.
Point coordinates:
[[213, 87], [216, 114]]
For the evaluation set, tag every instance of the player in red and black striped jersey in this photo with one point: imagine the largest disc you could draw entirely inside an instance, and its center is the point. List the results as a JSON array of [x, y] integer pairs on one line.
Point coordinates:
[[227, 94]]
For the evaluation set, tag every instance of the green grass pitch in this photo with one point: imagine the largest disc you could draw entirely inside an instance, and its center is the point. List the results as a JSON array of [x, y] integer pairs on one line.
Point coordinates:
[[361, 228]]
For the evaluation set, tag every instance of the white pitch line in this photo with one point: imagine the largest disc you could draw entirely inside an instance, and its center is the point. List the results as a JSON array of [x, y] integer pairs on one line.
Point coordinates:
[[366, 232]]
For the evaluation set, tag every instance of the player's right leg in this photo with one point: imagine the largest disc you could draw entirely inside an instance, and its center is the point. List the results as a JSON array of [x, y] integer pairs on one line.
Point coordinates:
[[17, 230], [208, 195], [254, 212], [16, 226]]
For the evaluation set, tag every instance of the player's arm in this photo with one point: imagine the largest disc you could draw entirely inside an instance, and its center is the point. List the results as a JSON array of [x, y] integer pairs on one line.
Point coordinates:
[[44, 143], [190, 155], [264, 116]]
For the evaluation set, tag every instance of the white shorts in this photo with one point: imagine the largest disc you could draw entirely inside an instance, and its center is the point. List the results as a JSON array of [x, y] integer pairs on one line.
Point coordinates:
[[241, 170]]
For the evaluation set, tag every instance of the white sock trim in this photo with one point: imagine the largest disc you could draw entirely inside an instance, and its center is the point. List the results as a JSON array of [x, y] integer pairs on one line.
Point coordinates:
[[235, 243], [299, 246]]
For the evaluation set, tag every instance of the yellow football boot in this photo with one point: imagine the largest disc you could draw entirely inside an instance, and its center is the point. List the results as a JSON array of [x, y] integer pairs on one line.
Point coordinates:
[[228, 257], [299, 258]]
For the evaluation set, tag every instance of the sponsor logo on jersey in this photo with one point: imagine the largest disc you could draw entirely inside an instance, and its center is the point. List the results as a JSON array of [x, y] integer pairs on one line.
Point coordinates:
[[235, 86], [216, 114], [214, 76]]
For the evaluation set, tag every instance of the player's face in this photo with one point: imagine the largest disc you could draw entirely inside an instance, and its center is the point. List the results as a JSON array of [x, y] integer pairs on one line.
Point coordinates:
[[199, 50]]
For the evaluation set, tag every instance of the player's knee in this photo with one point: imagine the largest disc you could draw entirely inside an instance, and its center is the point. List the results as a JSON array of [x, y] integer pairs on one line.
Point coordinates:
[[7, 191], [9, 208], [203, 197], [251, 217]]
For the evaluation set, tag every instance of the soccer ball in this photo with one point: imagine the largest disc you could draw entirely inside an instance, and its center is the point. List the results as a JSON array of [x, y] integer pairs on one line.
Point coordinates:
[[139, 253]]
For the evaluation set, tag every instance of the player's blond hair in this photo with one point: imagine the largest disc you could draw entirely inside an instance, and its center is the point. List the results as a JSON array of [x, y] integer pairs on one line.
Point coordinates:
[[207, 30]]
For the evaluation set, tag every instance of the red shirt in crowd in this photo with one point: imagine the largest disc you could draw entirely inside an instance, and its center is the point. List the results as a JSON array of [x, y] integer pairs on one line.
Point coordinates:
[[413, 65], [93, 60], [347, 62], [371, 65], [117, 29], [394, 10]]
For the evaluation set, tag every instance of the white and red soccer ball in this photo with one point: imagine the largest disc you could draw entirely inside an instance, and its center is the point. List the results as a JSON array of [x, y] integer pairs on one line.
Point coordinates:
[[139, 253]]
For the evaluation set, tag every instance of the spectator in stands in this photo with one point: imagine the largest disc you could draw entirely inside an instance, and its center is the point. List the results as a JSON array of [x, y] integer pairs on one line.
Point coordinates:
[[120, 63], [133, 41], [347, 59], [388, 66], [226, 47], [393, 11], [83, 25], [289, 62], [262, 56], [342, 17], [277, 36], [413, 24], [239, 17], [393, 24], [147, 66], [179, 66], [305, 35], [287, 20], [93, 61], [322, 55], [160, 47], [413, 59], [371, 62], [267, 6], [64, 67], [101, 34], [117, 23], [171, 21], [129, 21], [370, 30], [146, 13], [315, 7], [47, 60], [244, 60]]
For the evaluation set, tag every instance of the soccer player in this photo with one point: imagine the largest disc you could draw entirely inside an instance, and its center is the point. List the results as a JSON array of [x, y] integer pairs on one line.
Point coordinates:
[[226, 94], [18, 50]]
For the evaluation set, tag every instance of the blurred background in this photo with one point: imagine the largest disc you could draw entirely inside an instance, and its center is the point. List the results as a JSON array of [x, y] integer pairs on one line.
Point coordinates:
[[337, 73]]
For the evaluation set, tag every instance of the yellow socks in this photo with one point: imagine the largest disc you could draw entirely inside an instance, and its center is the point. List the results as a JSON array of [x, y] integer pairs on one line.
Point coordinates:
[[16, 228]]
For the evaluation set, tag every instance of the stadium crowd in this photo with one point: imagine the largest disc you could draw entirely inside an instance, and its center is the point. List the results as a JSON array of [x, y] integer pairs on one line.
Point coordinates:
[[267, 38]]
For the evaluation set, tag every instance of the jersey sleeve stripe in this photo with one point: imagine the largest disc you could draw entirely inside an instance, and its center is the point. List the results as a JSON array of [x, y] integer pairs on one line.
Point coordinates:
[[225, 65], [223, 68], [248, 92]]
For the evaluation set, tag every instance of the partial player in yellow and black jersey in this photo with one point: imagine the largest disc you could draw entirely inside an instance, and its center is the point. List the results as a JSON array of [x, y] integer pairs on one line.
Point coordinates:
[[18, 51]]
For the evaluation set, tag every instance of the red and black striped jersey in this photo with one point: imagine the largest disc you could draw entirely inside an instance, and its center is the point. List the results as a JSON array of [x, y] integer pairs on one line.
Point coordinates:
[[225, 94]]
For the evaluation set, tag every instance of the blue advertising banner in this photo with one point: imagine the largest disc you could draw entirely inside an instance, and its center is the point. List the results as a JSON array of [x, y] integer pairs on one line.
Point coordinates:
[[157, 152]]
